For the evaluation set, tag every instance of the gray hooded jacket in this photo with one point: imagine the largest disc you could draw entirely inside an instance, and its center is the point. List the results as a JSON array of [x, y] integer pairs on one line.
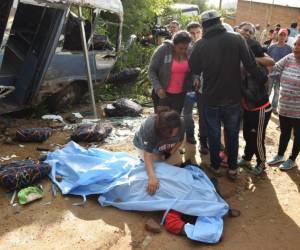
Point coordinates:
[[160, 68]]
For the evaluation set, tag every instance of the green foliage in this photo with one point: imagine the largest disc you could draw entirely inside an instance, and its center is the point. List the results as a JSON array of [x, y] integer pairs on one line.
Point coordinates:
[[139, 14], [136, 56]]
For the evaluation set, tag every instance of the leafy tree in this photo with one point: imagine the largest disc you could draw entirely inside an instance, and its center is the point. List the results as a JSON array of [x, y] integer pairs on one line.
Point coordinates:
[[139, 14]]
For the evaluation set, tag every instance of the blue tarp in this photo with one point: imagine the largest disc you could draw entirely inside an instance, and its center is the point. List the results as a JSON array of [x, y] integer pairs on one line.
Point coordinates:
[[122, 181]]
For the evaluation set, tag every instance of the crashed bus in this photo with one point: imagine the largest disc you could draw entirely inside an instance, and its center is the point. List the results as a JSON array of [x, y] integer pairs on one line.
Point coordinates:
[[42, 53]]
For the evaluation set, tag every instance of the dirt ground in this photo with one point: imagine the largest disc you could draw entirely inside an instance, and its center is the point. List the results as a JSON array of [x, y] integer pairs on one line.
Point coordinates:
[[270, 210]]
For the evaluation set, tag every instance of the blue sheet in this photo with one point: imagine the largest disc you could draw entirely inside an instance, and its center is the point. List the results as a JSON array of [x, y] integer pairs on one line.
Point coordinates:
[[122, 180]]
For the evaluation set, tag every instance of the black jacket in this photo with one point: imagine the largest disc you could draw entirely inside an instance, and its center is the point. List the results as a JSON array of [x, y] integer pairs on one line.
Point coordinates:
[[218, 55], [255, 93]]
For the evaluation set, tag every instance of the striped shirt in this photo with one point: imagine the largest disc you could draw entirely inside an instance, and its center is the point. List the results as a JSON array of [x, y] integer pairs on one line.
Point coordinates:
[[289, 93]]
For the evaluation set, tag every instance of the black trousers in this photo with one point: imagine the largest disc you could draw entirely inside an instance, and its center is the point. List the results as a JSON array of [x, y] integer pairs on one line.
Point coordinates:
[[173, 101], [286, 126], [254, 132]]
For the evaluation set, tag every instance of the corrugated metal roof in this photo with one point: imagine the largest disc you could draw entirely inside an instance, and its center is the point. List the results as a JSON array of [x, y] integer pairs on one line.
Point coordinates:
[[287, 3], [110, 5]]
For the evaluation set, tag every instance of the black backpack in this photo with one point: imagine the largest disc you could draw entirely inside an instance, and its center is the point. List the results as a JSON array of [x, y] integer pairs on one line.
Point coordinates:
[[255, 93]]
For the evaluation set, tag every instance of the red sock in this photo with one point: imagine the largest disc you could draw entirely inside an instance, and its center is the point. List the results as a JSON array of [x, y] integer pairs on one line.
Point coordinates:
[[174, 224]]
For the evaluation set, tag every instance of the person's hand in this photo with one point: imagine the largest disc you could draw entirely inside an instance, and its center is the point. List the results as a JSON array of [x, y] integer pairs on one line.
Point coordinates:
[[161, 93], [153, 185], [197, 84]]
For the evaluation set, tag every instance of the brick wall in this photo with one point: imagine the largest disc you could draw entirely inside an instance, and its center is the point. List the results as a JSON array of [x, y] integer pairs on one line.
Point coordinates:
[[266, 13]]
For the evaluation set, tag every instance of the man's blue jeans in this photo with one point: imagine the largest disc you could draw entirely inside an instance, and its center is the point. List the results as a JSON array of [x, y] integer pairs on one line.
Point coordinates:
[[189, 103], [230, 116]]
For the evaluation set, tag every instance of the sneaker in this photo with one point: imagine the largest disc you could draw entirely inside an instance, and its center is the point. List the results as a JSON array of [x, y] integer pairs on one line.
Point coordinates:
[[287, 165], [276, 159], [258, 170], [244, 164]]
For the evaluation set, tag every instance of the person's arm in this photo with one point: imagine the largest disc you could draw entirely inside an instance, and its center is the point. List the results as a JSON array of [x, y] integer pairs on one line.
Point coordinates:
[[154, 66], [194, 61], [266, 61], [153, 183], [279, 66], [250, 64], [176, 147]]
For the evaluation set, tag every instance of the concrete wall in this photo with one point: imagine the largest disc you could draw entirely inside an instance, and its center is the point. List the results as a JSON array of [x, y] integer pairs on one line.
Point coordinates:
[[266, 13]]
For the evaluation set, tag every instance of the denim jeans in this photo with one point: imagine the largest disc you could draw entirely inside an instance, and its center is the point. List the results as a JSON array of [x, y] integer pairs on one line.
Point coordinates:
[[202, 124], [230, 116], [275, 85], [189, 103]]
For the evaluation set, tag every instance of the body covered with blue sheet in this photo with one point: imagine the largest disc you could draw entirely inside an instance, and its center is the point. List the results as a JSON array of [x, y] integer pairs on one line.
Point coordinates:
[[121, 181]]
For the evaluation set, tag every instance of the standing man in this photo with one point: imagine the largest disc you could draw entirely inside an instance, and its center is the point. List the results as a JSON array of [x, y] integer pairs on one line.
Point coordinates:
[[277, 51], [218, 56], [192, 97], [194, 29], [174, 27]]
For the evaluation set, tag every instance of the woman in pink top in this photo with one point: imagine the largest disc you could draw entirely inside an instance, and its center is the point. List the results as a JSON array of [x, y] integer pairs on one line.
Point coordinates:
[[169, 72]]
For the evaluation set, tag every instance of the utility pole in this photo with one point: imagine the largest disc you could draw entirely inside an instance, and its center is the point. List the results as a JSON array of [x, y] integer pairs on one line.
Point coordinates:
[[220, 5]]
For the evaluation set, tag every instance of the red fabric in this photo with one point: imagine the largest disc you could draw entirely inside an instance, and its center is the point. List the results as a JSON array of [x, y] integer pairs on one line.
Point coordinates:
[[245, 106], [174, 224], [178, 73]]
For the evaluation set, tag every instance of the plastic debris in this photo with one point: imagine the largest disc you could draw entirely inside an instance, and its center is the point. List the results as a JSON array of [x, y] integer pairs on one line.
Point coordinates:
[[7, 158], [29, 194], [53, 118], [146, 241], [77, 115]]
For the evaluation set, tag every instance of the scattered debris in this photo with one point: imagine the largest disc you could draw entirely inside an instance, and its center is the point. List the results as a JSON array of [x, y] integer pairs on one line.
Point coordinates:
[[53, 118], [234, 213], [20, 174], [16, 208], [10, 141], [146, 241], [33, 134], [2, 138], [29, 194], [7, 158], [124, 128], [58, 178], [152, 226], [240, 198], [42, 149], [77, 115], [126, 76], [91, 133], [123, 107], [74, 118]]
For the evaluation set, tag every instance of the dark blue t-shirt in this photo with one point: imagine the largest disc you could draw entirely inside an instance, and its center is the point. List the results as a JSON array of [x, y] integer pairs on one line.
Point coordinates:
[[279, 52]]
